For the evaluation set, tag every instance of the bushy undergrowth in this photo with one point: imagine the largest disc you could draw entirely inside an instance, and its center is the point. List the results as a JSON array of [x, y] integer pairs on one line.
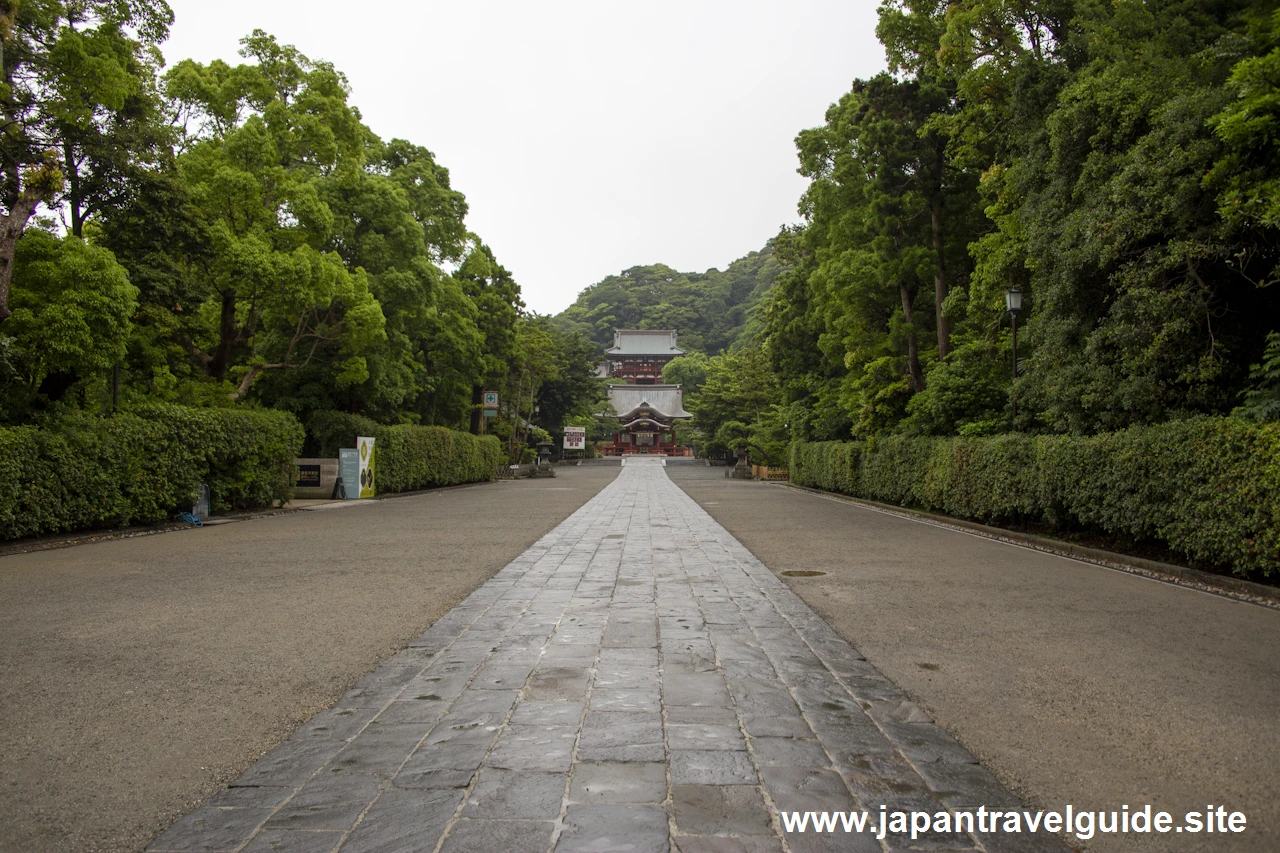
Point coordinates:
[[1208, 488], [410, 456], [141, 467]]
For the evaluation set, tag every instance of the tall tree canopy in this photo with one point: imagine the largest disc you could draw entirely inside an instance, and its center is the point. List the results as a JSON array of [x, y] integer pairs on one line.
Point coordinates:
[[1114, 161], [238, 235], [712, 311], [77, 93]]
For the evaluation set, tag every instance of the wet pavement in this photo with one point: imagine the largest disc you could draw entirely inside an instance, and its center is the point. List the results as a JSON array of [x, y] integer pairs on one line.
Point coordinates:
[[635, 681]]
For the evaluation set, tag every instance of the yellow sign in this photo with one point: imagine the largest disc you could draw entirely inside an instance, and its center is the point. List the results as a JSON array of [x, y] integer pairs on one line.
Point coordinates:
[[368, 459]]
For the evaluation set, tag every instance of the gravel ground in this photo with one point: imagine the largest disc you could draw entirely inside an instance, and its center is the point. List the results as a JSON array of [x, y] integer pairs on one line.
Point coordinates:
[[1073, 683], [139, 675]]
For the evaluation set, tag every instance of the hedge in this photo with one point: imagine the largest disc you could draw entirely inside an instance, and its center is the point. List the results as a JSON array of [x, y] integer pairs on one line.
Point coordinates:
[[1208, 488], [410, 456], [141, 467]]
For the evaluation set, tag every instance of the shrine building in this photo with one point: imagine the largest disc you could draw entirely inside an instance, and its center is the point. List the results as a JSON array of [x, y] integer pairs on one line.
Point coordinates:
[[638, 355], [646, 410]]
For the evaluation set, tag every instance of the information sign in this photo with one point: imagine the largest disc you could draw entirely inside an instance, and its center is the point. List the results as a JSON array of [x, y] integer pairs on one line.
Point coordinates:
[[575, 438], [349, 471]]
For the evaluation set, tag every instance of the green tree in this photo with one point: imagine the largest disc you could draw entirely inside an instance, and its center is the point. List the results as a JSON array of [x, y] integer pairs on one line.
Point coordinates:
[[575, 388], [497, 299], [1262, 397], [735, 407], [881, 260], [262, 138], [1246, 176], [73, 97], [1122, 160], [71, 320], [689, 371], [712, 311]]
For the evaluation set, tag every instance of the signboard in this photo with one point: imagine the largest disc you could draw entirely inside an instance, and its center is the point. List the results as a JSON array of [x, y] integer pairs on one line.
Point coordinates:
[[490, 404], [575, 438], [308, 476], [365, 445], [349, 471]]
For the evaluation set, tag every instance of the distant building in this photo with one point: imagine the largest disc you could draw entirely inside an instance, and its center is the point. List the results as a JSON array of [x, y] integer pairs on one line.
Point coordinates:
[[646, 409], [638, 355]]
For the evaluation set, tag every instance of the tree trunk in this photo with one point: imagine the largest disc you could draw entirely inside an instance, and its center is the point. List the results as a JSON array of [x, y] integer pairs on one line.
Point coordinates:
[[511, 443], [228, 336], [73, 197], [913, 354], [940, 266], [477, 416], [21, 204], [11, 227], [252, 374]]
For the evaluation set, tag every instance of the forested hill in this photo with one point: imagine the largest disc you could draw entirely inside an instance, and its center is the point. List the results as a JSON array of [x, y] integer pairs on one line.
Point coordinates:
[[713, 311]]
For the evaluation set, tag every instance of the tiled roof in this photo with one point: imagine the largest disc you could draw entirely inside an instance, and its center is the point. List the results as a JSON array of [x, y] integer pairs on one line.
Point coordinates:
[[664, 400], [644, 342]]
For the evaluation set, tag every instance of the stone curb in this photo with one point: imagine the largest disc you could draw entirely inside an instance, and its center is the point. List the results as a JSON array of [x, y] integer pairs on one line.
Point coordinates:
[[1228, 587]]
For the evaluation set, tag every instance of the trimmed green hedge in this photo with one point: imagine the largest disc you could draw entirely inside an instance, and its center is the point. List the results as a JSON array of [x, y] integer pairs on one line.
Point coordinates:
[[409, 456], [1208, 488], [142, 467]]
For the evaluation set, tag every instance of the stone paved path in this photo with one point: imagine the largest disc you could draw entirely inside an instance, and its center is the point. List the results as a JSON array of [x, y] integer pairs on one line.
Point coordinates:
[[636, 681]]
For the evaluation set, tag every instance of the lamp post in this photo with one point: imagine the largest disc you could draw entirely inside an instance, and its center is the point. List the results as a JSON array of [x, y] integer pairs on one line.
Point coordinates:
[[1013, 301]]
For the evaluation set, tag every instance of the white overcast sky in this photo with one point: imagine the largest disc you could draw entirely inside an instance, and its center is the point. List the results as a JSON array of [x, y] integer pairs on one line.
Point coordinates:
[[587, 137]]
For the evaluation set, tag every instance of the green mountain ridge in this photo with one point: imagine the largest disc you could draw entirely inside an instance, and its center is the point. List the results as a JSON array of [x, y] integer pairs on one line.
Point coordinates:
[[713, 311]]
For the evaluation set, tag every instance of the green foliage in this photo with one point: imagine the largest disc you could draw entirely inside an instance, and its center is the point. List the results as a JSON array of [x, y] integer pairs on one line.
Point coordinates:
[[1249, 127], [1116, 161], [731, 397], [712, 311], [1208, 488], [270, 249], [689, 371], [78, 101], [571, 389], [889, 219], [968, 395], [268, 140], [411, 457], [72, 305], [247, 453], [141, 467], [1262, 399]]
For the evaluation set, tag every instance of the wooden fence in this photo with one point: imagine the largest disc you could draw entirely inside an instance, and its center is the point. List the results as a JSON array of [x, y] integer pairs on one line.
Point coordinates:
[[764, 472]]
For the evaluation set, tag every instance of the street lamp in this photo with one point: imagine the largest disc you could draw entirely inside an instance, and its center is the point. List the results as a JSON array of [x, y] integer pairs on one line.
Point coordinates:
[[1013, 301]]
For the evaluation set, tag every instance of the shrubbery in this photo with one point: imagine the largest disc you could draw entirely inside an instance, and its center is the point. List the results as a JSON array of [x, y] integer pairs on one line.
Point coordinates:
[[141, 467], [409, 456], [1208, 488]]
